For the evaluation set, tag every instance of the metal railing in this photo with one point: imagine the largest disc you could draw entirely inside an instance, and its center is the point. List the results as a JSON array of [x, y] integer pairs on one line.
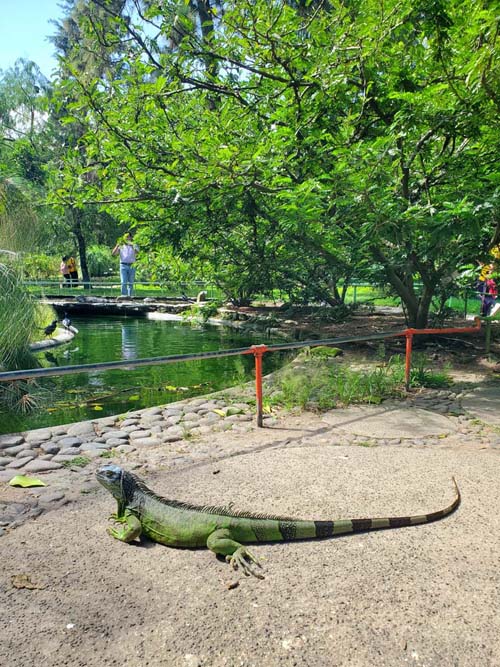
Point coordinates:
[[112, 287], [257, 350]]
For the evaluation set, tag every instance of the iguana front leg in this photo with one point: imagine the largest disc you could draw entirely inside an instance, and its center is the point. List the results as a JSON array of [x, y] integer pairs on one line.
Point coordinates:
[[221, 542], [130, 531]]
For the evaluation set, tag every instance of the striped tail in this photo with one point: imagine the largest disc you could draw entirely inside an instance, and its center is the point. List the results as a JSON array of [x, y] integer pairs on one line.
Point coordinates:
[[322, 529]]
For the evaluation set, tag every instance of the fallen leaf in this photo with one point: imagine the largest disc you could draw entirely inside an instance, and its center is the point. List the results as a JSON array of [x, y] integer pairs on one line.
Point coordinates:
[[25, 482], [24, 581], [221, 413]]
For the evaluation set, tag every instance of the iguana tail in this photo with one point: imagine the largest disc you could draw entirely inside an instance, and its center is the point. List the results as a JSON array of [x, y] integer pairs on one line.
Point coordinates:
[[302, 530]]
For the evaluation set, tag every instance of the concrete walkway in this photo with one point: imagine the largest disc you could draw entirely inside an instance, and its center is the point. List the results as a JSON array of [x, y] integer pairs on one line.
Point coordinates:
[[426, 595]]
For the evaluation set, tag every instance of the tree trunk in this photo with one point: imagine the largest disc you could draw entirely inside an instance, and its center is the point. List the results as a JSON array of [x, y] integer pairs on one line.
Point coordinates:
[[76, 223]]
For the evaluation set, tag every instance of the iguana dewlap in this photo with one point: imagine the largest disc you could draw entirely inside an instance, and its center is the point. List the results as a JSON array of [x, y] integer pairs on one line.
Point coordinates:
[[221, 529]]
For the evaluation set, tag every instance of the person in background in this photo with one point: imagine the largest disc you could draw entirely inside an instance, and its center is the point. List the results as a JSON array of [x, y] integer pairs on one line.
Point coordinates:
[[127, 250], [64, 271], [73, 273], [487, 290]]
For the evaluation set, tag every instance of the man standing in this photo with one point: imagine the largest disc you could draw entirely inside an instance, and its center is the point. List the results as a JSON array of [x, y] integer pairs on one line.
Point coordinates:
[[128, 255]]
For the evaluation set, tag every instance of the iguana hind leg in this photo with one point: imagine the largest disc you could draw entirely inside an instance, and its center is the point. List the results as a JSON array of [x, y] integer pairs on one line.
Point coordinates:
[[221, 542], [130, 531]]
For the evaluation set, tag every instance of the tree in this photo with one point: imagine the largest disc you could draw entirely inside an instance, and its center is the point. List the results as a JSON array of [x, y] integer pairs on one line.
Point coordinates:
[[294, 135], [79, 58], [22, 154]]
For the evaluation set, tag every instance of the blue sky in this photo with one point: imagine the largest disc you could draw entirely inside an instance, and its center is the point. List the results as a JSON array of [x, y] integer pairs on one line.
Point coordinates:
[[24, 28]]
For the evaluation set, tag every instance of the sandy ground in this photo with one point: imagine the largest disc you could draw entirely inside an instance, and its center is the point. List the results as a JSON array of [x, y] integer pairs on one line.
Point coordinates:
[[427, 595]]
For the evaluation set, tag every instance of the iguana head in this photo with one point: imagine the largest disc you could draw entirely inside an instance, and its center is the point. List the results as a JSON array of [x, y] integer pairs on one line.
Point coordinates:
[[117, 481]]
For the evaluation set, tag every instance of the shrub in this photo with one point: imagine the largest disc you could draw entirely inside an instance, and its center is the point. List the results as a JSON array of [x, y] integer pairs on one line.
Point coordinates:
[[40, 266], [100, 261]]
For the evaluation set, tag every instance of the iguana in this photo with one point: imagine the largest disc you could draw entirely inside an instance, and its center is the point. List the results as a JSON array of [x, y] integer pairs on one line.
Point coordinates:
[[221, 529]]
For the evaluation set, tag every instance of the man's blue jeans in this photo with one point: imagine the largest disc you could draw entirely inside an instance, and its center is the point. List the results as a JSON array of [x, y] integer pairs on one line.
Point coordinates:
[[127, 275]]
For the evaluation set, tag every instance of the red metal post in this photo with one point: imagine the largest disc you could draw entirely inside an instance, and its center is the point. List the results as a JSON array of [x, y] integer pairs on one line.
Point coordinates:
[[258, 352], [409, 347]]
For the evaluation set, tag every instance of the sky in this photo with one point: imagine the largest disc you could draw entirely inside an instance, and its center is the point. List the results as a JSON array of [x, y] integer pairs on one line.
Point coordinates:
[[24, 28]]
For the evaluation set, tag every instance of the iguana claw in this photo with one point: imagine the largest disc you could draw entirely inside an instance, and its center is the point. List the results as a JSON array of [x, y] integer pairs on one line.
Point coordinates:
[[247, 561]]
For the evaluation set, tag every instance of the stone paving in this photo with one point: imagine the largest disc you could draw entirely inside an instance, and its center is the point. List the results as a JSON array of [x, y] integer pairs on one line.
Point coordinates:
[[194, 431]]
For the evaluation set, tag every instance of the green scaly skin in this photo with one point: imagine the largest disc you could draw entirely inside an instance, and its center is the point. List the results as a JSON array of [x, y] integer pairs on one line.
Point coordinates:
[[223, 530]]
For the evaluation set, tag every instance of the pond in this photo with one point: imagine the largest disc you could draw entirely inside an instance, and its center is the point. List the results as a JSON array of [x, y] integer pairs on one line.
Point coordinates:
[[79, 396]]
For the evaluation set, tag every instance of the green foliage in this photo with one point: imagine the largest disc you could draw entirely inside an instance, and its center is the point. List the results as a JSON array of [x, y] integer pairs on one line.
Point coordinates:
[[77, 461], [423, 375], [324, 352], [100, 261], [317, 385], [38, 266], [18, 320], [108, 454], [203, 311], [313, 384], [260, 155]]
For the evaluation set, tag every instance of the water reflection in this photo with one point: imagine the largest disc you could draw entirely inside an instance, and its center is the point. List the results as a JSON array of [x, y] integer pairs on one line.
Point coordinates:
[[129, 340]]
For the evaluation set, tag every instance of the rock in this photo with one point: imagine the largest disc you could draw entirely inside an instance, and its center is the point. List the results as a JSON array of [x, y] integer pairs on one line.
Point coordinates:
[[63, 458], [24, 452], [151, 421], [81, 429], [115, 442], [39, 465], [59, 430], [14, 451], [151, 412], [69, 451], [173, 419], [10, 441], [135, 435], [189, 425], [38, 436], [93, 453], [70, 442], [170, 437], [129, 422], [174, 430], [211, 418], [172, 412], [19, 463], [191, 416], [114, 434], [208, 405], [4, 460], [233, 410], [50, 447], [95, 445], [146, 442], [232, 419]]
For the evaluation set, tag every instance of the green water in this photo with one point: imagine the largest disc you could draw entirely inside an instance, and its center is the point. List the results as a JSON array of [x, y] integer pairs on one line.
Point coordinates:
[[79, 396]]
